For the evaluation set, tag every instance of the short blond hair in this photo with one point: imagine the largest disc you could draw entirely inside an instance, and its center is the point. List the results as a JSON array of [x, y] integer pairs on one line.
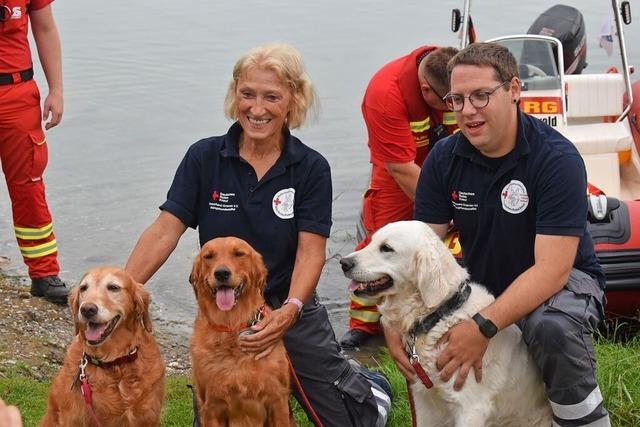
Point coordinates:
[[287, 63]]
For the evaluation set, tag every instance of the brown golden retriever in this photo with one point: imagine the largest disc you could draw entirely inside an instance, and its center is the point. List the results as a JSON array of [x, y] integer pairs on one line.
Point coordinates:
[[122, 362], [232, 388]]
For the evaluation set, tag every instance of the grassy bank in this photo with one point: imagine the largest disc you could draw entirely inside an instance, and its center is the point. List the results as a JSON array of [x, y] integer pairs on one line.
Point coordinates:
[[618, 375]]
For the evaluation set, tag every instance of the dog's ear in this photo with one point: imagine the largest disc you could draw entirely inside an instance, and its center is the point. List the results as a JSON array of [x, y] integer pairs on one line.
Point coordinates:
[[430, 277], [74, 305], [194, 277], [141, 300], [258, 271]]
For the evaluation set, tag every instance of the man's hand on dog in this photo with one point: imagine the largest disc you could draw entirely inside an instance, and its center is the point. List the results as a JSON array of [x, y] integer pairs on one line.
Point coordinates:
[[465, 346], [269, 331], [397, 352]]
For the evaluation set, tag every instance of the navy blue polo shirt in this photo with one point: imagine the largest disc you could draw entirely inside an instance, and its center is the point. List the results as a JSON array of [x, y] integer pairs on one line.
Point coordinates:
[[216, 191], [538, 188]]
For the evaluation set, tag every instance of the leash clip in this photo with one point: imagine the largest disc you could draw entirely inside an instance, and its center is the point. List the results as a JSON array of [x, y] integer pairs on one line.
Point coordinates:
[[411, 350], [414, 355], [83, 365]]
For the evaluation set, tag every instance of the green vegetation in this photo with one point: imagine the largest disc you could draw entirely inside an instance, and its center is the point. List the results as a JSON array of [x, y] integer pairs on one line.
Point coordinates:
[[619, 380], [618, 375]]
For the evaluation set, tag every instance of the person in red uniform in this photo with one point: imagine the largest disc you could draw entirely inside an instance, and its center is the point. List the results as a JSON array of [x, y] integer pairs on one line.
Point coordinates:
[[23, 145], [405, 115]]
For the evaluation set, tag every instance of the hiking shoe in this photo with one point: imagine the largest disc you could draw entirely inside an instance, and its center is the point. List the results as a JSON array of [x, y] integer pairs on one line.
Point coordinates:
[[51, 288], [374, 377], [379, 379], [353, 339]]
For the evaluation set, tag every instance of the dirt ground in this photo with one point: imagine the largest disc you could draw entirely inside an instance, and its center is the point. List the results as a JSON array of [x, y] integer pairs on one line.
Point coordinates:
[[34, 335]]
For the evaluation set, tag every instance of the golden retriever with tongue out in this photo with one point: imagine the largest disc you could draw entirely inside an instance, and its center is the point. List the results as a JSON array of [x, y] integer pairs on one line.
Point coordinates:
[[232, 388], [113, 357]]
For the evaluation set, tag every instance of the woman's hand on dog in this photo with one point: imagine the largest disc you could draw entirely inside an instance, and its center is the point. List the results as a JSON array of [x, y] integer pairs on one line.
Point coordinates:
[[465, 347], [269, 331], [398, 354]]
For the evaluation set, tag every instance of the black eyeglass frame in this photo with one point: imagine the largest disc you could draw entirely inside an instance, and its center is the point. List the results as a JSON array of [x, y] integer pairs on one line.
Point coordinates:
[[433, 89], [448, 98]]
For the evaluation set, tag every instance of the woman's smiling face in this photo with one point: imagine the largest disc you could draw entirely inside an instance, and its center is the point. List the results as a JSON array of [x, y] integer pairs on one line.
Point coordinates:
[[264, 102]]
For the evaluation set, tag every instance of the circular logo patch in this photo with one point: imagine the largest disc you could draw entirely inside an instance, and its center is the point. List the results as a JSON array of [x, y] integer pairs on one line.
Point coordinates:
[[514, 197], [283, 203]]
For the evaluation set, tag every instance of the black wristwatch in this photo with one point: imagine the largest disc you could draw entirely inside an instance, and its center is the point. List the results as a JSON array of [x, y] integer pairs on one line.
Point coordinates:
[[487, 327]]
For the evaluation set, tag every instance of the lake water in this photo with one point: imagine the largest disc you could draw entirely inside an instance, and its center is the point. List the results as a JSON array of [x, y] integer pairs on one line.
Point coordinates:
[[145, 79]]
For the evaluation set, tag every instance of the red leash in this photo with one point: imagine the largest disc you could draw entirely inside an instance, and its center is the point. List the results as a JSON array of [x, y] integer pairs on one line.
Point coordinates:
[[422, 374], [412, 405], [85, 389], [314, 417], [424, 379]]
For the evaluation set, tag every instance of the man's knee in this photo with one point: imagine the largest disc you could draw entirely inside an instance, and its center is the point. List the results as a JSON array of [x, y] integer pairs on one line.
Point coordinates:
[[549, 330]]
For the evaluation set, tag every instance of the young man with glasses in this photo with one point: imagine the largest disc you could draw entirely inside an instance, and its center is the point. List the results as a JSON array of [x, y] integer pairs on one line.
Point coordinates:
[[405, 115], [23, 146], [523, 231]]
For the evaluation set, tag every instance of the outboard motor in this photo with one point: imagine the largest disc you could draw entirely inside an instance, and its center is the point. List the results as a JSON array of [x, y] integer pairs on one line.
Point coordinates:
[[567, 25]]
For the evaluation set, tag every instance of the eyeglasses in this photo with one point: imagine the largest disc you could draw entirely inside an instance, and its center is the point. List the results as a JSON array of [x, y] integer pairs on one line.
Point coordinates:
[[433, 88], [479, 99]]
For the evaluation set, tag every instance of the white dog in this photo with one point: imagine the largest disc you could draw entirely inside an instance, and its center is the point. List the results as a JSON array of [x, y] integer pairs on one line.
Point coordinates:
[[411, 268]]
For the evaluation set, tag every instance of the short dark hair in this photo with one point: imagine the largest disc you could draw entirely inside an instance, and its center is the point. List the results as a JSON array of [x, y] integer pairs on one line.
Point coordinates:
[[492, 55], [434, 68]]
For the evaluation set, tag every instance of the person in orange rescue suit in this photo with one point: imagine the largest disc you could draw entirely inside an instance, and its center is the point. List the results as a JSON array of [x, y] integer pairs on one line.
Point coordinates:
[[405, 115], [23, 145]]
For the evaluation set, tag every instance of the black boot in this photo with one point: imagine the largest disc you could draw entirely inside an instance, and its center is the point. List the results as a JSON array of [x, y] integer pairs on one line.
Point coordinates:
[[353, 339], [51, 288]]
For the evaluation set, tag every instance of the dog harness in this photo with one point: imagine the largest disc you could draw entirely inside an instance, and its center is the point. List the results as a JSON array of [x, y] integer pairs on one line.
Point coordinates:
[[85, 387]]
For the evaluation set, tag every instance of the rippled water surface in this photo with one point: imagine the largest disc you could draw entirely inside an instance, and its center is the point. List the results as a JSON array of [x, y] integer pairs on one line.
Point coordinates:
[[145, 79]]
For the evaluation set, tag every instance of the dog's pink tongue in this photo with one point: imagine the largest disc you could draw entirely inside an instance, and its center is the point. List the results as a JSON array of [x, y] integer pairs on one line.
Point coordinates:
[[225, 299], [353, 286], [94, 332]]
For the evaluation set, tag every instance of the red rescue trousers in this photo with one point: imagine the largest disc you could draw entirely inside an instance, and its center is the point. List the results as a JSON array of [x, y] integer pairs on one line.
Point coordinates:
[[363, 310], [23, 154]]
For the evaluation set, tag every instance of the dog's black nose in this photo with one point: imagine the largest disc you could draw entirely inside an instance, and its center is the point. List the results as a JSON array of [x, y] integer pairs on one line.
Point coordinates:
[[346, 264], [222, 274], [89, 310]]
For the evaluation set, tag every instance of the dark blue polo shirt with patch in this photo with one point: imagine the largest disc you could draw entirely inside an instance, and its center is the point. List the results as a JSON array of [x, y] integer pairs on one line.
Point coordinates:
[[215, 190], [500, 205]]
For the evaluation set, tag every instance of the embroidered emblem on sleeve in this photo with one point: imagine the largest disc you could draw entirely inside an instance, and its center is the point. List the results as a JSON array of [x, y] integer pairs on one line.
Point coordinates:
[[283, 202], [514, 197]]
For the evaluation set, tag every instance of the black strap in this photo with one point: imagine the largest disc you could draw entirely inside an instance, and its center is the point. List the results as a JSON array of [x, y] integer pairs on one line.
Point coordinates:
[[425, 325], [7, 78], [196, 412]]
